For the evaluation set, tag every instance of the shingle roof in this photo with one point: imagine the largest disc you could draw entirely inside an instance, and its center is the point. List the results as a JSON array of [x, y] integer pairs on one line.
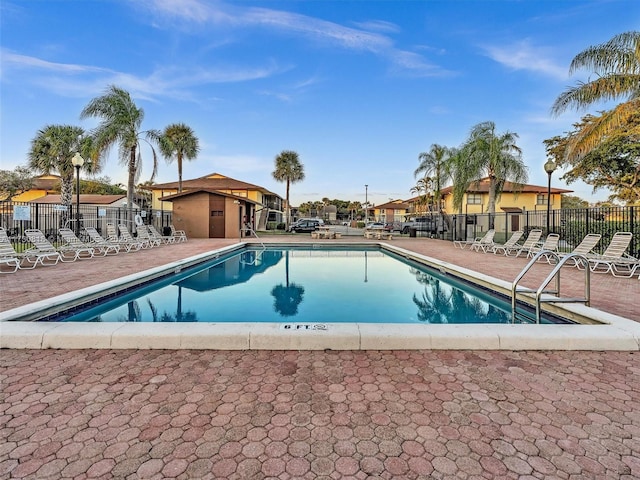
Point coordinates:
[[213, 181], [87, 199], [482, 186], [394, 204]]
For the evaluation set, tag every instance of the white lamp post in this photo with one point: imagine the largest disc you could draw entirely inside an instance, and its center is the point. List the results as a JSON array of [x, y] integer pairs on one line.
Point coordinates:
[[77, 161], [549, 167]]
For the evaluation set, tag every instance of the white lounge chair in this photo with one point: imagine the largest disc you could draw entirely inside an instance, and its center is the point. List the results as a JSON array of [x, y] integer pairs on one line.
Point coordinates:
[[112, 236], [615, 259], [101, 246], [163, 238], [485, 243], [584, 248], [179, 235], [8, 256], [513, 240], [487, 238], [146, 236], [530, 242], [73, 243], [43, 251], [550, 244], [127, 238]]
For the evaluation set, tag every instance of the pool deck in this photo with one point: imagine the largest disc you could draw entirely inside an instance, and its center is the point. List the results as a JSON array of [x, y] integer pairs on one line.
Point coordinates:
[[371, 414]]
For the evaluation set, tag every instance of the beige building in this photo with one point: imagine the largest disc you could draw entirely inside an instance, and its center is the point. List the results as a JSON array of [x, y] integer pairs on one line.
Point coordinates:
[[268, 205]]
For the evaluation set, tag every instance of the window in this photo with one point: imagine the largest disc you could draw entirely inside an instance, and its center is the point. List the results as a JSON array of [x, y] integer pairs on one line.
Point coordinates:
[[474, 199], [217, 213], [541, 199]]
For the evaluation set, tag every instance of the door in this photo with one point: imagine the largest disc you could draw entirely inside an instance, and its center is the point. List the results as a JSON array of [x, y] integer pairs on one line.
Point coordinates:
[[515, 223]]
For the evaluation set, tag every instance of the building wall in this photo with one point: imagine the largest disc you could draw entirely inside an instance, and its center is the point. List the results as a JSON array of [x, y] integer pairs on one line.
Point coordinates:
[[191, 214], [525, 201]]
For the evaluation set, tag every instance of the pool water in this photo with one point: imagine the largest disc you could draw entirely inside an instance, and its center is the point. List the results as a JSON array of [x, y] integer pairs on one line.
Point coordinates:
[[304, 284]]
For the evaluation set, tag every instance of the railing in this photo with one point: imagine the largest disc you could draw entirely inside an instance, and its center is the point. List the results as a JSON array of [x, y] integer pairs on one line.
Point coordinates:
[[16, 217], [553, 296]]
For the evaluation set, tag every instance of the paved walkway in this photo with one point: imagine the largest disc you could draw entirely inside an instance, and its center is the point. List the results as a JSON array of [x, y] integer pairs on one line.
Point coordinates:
[[314, 415]]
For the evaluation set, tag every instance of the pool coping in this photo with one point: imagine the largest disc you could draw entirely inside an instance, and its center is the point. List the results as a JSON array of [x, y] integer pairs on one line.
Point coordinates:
[[609, 332]]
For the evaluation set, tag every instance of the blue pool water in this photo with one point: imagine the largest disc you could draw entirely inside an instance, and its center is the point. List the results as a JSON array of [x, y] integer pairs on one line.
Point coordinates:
[[304, 285]]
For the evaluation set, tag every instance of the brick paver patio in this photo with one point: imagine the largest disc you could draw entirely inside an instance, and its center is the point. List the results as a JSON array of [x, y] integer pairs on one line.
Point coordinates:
[[315, 415]]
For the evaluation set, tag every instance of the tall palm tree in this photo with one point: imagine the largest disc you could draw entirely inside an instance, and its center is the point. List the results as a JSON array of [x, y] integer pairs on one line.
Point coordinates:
[[288, 169], [179, 141], [434, 164], [616, 64], [121, 124], [51, 151], [421, 189], [497, 157]]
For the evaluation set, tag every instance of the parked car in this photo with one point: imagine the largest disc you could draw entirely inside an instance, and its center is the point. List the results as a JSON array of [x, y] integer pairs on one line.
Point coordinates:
[[305, 225], [432, 224], [375, 225]]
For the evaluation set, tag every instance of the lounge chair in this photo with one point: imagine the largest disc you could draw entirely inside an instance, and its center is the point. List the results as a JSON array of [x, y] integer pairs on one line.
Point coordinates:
[[112, 237], [43, 251], [8, 255], [179, 235], [144, 235], [73, 243], [513, 240], [476, 243], [584, 248], [530, 242], [550, 244], [127, 238], [163, 238], [485, 243], [101, 246], [614, 259]]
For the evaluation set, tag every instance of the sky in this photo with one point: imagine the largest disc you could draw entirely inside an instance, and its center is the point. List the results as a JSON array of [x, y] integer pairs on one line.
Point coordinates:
[[357, 88]]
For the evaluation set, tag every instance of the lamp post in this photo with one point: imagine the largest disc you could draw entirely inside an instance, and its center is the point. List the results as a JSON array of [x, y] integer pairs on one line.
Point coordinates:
[[549, 167], [77, 161], [366, 205]]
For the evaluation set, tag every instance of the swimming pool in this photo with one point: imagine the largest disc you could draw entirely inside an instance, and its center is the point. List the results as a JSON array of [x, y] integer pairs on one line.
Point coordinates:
[[20, 329], [303, 284]]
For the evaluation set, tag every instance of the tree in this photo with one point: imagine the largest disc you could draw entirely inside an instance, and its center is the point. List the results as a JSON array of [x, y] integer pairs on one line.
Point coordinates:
[[572, 201], [496, 157], [434, 164], [179, 141], [52, 150], [288, 169], [421, 189], [120, 124], [14, 182], [613, 164], [616, 64]]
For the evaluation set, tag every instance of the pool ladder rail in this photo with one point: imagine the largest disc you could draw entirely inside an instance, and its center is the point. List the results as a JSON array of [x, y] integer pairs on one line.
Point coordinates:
[[544, 295]]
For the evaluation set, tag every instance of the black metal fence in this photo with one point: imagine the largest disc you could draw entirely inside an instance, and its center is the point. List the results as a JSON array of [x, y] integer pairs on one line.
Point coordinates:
[[16, 217], [571, 224]]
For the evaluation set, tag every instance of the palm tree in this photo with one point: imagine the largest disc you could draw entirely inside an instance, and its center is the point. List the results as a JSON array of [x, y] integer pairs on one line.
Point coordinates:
[[121, 122], [616, 64], [179, 141], [422, 185], [494, 156], [52, 150], [434, 164], [290, 170]]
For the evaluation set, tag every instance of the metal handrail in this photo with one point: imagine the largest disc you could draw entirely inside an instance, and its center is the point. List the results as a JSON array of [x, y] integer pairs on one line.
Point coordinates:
[[555, 273]]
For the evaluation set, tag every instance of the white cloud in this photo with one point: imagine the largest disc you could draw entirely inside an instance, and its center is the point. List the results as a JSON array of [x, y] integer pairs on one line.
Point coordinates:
[[523, 56], [356, 39]]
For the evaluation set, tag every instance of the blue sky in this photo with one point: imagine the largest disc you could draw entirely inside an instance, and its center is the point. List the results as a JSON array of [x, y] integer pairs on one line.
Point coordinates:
[[357, 88]]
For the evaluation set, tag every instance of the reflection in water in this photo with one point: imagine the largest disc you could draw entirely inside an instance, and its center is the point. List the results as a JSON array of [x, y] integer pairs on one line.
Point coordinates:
[[288, 296], [238, 269], [441, 302]]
